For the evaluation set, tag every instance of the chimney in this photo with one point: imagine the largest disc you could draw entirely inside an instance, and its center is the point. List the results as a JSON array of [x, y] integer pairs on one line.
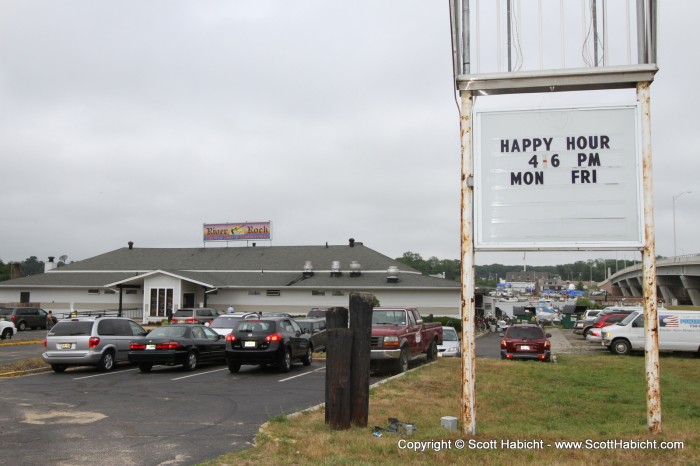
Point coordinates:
[[50, 265], [131, 245], [352, 242]]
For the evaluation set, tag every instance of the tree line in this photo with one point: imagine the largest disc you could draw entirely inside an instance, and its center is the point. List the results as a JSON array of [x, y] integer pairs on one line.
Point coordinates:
[[579, 271]]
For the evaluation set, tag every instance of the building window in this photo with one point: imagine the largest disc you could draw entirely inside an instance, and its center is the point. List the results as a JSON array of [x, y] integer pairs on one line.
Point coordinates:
[[130, 291], [253, 292], [272, 293], [110, 292], [93, 291], [161, 301], [318, 293], [338, 293]]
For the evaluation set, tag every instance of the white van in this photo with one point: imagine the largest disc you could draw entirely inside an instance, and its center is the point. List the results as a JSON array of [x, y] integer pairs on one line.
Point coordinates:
[[678, 331]]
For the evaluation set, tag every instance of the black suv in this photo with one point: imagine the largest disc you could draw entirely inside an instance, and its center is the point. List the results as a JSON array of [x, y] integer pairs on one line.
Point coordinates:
[[273, 340], [24, 317]]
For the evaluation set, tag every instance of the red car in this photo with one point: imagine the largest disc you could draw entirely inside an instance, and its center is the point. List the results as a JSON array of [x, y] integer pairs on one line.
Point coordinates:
[[526, 341], [595, 334]]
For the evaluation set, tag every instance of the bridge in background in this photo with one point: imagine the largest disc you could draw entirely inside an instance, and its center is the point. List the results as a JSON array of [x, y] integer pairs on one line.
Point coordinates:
[[677, 281]]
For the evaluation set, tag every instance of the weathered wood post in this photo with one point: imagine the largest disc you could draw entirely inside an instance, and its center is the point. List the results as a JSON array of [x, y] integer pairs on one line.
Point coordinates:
[[361, 326], [338, 355]]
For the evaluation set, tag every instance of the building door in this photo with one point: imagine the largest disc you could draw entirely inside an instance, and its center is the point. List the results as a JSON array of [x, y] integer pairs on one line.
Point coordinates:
[[24, 297], [161, 301], [188, 300]]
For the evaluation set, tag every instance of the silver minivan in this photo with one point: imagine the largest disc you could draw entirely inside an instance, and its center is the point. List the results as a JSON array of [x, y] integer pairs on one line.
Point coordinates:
[[90, 341]]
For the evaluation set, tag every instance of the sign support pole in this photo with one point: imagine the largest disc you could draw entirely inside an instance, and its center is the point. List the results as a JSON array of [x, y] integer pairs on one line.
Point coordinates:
[[467, 270], [651, 320]]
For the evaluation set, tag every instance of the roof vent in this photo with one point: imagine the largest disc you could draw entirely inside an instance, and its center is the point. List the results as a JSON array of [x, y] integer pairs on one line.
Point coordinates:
[[308, 269], [131, 245], [352, 242], [335, 269], [355, 269], [392, 274]]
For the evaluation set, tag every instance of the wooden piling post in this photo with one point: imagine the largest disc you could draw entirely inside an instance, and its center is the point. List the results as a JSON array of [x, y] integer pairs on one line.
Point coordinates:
[[361, 326]]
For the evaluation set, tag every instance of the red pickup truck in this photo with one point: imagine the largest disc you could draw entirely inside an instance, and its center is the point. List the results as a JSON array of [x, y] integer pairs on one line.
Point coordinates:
[[400, 335]]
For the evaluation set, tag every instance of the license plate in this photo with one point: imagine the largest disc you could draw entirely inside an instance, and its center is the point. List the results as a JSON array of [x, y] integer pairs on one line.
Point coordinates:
[[249, 344], [66, 345], [524, 347], [150, 346]]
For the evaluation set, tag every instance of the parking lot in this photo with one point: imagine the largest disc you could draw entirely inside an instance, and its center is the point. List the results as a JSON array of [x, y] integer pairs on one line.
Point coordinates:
[[169, 416]]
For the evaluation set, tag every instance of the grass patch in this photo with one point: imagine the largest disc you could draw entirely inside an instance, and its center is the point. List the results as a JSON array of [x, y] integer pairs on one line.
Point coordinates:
[[24, 365], [597, 398]]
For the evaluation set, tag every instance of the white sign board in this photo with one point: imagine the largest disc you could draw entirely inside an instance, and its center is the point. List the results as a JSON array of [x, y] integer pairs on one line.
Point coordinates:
[[558, 179]]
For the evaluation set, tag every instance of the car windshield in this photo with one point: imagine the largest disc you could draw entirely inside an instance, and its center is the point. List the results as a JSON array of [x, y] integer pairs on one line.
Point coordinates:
[[628, 319], [389, 317], [71, 328], [168, 332], [525, 333], [449, 334], [255, 326], [306, 325], [182, 313], [5, 311]]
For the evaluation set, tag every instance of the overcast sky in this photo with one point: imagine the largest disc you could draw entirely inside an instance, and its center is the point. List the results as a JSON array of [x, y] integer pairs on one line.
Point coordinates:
[[141, 120]]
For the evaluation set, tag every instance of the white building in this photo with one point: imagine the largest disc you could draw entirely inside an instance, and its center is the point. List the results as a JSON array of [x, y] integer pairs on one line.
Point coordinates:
[[290, 279]]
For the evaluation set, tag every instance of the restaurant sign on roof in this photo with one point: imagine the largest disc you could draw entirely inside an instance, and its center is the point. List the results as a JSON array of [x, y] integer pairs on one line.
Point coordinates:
[[237, 231]]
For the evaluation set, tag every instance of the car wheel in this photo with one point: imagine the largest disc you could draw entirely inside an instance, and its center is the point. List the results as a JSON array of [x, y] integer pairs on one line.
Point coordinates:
[[58, 367], [432, 351], [234, 367], [306, 360], [191, 361], [286, 362], [402, 362], [6, 334], [145, 367], [22, 326], [106, 362], [620, 347]]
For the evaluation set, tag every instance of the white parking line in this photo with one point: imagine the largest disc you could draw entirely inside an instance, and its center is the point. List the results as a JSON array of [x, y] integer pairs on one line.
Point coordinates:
[[104, 373], [305, 373], [200, 373]]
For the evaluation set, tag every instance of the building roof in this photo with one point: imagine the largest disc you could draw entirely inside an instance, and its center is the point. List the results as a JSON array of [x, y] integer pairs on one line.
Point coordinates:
[[236, 267]]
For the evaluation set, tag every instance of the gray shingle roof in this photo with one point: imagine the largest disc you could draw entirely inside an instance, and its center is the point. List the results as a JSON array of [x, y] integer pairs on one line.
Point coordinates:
[[267, 266]]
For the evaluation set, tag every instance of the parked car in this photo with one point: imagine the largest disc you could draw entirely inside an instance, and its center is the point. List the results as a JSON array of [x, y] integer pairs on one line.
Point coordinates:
[[177, 344], [595, 333], [271, 340], [451, 345], [225, 323], [583, 327], [90, 341], [24, 317], [195, 315], [7, 329], [316, 327], [526, 341], [317, 312]]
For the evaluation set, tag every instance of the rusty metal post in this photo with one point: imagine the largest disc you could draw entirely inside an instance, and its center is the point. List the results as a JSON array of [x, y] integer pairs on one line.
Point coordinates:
[[651, 325], [467, 271]]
